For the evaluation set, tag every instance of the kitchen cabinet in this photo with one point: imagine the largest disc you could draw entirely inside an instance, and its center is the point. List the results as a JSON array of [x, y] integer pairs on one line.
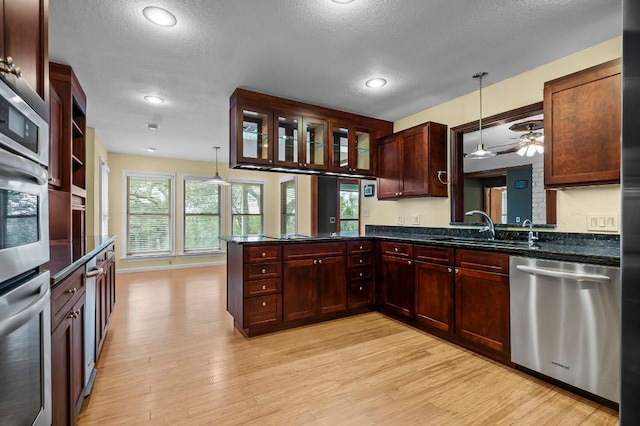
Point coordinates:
[[352, 150], [409, 161], [105, 294], [396, 278], [360, 273], [67, 185], [582, 114], [67, 348], [314, 279], [24, 37], [434, 287], [268, 132], [482, 302], [254, 286]]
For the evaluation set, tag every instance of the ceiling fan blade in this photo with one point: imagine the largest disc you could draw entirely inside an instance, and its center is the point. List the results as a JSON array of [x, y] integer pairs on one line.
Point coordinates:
[[514, 148]]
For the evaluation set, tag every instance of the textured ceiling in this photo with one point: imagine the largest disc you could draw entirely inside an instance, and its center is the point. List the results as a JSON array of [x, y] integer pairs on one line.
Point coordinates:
[[315, 51]]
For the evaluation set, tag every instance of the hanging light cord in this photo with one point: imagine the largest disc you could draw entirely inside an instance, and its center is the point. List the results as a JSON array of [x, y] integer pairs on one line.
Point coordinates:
[[480, 76]]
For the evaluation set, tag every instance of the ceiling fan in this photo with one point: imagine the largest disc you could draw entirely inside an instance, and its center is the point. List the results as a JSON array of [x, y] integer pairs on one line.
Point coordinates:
[[531, 142]]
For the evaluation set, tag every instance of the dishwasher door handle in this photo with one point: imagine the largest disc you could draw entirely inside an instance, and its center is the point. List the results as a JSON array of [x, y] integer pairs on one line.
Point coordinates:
[[561, 274]]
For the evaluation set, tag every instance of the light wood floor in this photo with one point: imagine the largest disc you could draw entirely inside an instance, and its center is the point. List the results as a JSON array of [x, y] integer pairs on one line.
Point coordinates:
[[173, 357]]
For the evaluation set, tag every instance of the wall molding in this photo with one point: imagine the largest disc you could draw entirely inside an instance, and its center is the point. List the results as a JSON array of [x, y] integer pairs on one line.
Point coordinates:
[[169, 267]]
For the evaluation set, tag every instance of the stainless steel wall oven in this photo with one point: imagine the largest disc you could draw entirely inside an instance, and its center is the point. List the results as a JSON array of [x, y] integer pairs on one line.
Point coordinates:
[[25, 319]]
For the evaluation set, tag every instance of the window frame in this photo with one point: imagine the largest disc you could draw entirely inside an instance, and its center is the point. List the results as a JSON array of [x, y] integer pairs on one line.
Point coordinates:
[[172, 214], [183, 178], [339, 218], [104, 199], [283, 214], [230, 203]]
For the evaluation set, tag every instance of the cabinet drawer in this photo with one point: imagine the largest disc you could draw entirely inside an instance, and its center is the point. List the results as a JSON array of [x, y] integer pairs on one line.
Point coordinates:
[[359, 274], [261, 287], [483, 261], [356, 260], [266, 253], [396, 249], [262, 270], [359, 246], [106, 254], [262, 310], [440, 255], [65, 295], [360, 294], [313, 250]]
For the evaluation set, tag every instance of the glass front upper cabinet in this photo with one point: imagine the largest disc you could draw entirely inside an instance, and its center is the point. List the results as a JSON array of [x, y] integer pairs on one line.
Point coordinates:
[[288, 140], [255, 142], [340, 148], [351, 150], [362, 152], [315, 148]]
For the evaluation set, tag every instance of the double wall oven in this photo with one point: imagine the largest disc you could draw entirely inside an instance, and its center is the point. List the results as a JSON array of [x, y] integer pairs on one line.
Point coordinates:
[[25, 320]]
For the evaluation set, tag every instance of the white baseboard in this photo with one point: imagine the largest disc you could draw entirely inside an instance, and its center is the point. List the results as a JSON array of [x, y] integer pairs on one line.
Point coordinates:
[[169, 267]]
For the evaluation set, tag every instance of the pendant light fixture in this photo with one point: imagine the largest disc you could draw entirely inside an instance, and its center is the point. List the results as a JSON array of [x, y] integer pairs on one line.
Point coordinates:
[[480, 152], [216, 179]]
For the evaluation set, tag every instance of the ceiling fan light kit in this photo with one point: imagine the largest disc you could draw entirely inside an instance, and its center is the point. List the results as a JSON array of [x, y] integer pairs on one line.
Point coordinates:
[[480, 152]]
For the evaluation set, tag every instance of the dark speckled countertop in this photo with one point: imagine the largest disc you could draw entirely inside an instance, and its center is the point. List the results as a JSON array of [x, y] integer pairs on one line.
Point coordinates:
[[600, 249], [61, 265]]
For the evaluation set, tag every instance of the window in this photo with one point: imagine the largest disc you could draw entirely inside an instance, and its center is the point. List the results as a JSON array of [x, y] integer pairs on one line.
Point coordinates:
[[104, 200], [247, 208], [349, 206], [200, 215], [149, 224], [288, 206]]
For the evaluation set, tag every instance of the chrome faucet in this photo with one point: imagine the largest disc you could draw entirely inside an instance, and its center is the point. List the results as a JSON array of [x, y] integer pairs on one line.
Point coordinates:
[[532, 238], [490, 227]]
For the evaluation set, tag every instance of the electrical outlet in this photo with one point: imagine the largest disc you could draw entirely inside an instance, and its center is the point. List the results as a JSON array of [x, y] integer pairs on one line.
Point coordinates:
[[365, 212], [415, 219], [602, 222], [400, 220]]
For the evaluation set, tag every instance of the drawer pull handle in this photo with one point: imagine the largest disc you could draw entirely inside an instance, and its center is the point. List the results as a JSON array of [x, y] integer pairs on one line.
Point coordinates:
[[361, 260], [449, 269], [264, 287], [95, 272], [264, 271], [315, 261], [360, 288], [320, 261], [72, 291], [361, 275], [360, 247], [395, 249], [264, 303], [408, 262], [264, 254], [457, 270]]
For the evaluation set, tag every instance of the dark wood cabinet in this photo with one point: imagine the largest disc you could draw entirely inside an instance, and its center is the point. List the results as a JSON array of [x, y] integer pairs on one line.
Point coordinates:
[[24, 36], [268, 131], [434, 278], [482, 302], [409, 162], [396, 278], [67, 348], [105, 294], [360, 273], [582, 127], [55, 141], [314, 279]]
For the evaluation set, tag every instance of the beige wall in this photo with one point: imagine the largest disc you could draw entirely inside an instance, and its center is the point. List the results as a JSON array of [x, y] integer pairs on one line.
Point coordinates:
[[119, 162], [521, 90], [95, 150]]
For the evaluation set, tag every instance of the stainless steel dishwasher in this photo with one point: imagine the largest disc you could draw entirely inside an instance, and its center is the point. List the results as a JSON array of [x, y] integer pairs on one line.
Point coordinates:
[[565, 323]]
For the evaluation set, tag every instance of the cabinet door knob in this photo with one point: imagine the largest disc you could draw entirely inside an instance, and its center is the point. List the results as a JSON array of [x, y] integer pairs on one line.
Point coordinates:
[[360, 288], [264, 271], [409, 262], [361, 260], [320, 261], [270, 161], [400, 193], [457, 270], [72, 291], [264, 287], [264, 303], [361, 275], [395, 249], [449, 269], [315, 261], [264, 254], [360, 247]]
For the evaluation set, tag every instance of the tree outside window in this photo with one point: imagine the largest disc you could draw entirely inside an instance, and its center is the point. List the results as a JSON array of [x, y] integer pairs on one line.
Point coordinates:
[[349, 206], [201, 219], [247, 208], [288, 207]]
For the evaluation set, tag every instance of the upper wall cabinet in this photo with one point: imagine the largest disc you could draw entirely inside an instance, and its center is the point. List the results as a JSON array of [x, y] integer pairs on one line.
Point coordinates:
[[271, 133], [24, 50], [409, 162], [582, 127]]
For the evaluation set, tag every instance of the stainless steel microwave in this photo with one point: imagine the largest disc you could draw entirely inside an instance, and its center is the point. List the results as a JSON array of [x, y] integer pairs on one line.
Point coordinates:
[[22, 130]]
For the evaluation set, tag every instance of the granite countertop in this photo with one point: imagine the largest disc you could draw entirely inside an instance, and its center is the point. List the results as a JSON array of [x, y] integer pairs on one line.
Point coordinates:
[[61, 265], [600, 249]]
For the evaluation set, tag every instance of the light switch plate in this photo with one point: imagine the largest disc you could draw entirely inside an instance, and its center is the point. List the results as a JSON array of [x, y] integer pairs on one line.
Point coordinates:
[[602, 222], [415, 219], [400, 220]]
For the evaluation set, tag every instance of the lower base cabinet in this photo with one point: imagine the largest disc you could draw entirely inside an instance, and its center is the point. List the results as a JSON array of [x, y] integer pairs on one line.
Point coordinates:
[[434, 304], [67, 349], [105, 294]]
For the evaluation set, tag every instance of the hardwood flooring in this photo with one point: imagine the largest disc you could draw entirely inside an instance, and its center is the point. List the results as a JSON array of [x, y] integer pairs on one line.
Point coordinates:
[[173, 357]]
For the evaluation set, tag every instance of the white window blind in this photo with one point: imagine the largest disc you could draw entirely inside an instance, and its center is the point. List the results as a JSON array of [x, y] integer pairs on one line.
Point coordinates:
[[104, 200], [201, 218], [149, 215], [288, 207], [349, 207], [246, 208]]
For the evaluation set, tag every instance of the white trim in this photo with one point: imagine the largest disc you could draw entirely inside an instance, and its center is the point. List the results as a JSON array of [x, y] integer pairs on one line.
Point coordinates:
[[103, 167], [212, 253], [172, 219], [147, 258], [262, 182], [221, 204], [169, 267], [295, 188]]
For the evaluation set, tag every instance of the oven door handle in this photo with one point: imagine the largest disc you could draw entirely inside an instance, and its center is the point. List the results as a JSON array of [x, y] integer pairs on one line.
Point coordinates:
[[562, 274], [12, 163], [17, 320]]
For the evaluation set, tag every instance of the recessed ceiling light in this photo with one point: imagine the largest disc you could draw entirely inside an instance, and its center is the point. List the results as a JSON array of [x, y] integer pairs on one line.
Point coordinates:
[[152, 126], [342, 1], [153, 99], [150, 149], [376, 82], [159, 16]]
